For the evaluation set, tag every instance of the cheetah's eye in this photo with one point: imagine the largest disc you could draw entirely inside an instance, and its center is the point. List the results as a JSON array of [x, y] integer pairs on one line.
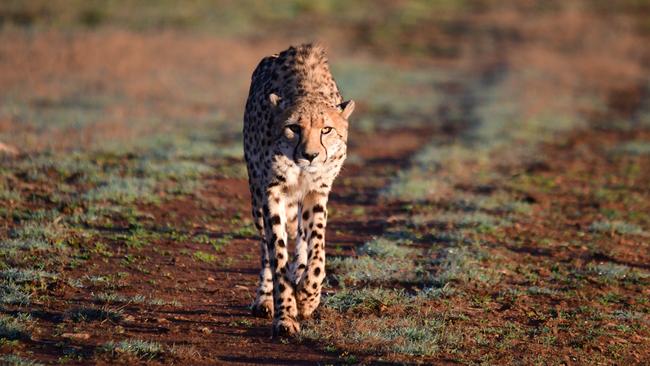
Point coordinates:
[[294, 128], [326, 130]]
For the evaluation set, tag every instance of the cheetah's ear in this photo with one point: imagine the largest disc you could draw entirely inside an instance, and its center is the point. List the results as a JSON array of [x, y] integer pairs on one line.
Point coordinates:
[[347, 108], [275, 100]]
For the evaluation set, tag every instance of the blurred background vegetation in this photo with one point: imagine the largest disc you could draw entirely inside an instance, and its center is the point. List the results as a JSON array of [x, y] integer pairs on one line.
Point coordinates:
[[382, 25], [68, 65]]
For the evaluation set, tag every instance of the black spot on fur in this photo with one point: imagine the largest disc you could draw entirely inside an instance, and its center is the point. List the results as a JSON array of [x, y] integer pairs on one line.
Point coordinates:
[[318, 208], [275, 220]]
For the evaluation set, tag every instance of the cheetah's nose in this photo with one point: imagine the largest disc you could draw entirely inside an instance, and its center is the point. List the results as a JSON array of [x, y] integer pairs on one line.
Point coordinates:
[[310, 156]]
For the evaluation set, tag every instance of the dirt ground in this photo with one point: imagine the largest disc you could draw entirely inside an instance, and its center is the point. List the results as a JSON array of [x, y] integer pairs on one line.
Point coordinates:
[[214, 324]]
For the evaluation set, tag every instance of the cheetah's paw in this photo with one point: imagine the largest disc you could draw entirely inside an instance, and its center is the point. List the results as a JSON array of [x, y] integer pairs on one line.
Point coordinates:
[[262, 309], [285, 327]]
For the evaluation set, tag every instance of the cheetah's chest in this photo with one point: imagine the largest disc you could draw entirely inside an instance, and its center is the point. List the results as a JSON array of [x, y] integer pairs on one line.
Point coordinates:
[[300, 181]]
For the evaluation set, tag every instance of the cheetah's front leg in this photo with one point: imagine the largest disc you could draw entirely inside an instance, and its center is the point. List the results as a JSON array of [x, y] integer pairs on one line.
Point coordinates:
[[285, 307], [314, 218], [263, 304]]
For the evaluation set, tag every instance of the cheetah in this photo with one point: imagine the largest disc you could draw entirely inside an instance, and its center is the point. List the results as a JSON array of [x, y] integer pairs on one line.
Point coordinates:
[[295, 142]]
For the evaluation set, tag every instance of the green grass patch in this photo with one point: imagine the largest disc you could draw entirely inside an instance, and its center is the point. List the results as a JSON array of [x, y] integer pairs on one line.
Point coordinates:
[[636, 148], [464, 264], [10, 245], [616, 227], [541, 291], [144, 350], [480, 221], [415, 336], [38, 231], [9, 194], [410, 334], [364, 300], [366, 269], [113, 298], [17, 275], [17, 285], [176, 169], [12, 328], [385, 248], [87, 314], [205, 256], [616, 272], [124, 190], [13, 294], [15, 360]]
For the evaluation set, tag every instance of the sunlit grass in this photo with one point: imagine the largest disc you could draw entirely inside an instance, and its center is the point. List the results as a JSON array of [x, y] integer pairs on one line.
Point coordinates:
[[618, 227], [384, 248], [17, 275], [616, 272], [15, 360], [124, 190], [364, 299], [142, 349], [13, 294], [14, 327]]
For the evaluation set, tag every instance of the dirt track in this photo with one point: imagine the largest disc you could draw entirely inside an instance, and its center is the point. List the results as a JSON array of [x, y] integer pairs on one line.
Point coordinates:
[[214, 320]]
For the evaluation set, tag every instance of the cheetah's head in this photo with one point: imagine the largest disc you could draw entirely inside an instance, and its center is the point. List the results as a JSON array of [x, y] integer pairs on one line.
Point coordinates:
[[311, 132]]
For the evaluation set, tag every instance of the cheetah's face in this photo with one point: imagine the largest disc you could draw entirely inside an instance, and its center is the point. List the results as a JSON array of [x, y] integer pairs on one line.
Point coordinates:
[[311, 135]]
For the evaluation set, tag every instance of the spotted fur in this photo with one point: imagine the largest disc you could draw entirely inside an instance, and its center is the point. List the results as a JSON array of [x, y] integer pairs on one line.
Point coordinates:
[[295, 141]]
